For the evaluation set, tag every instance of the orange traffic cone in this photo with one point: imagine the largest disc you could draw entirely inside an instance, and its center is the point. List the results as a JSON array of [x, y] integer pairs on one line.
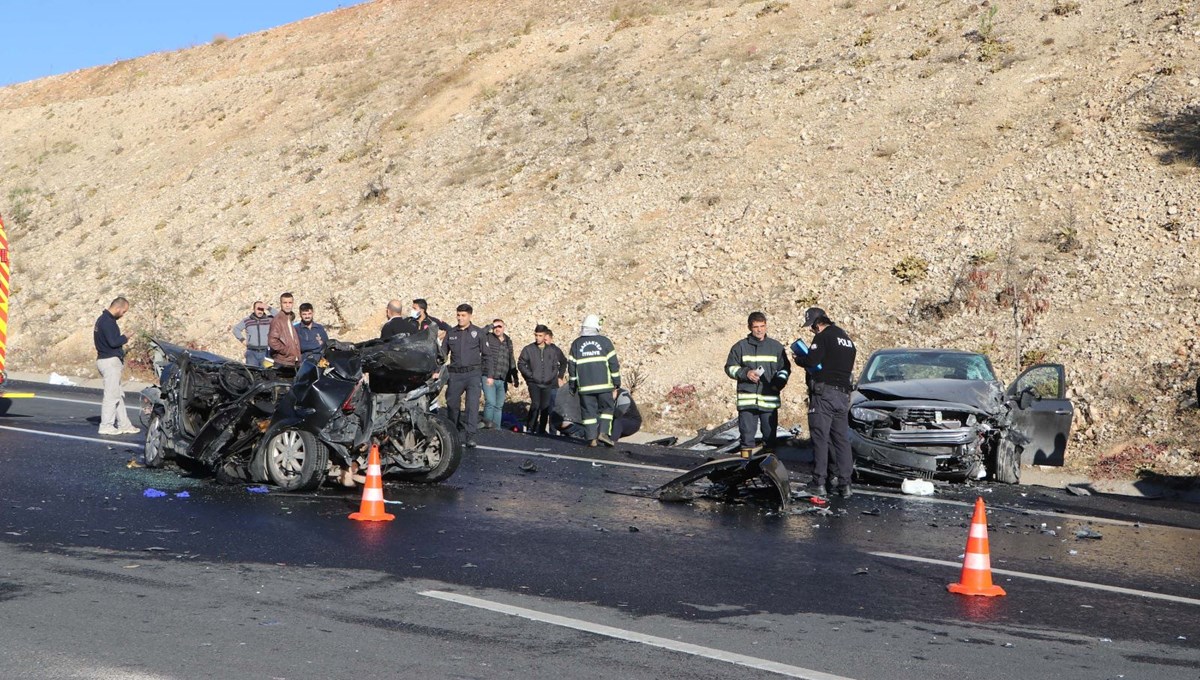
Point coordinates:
[[371, 509], [976, 576]]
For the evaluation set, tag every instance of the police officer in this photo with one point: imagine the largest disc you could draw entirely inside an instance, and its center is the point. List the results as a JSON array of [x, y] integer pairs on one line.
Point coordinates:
[[464, 344], [761, 369], [594, 372], [829, 363]]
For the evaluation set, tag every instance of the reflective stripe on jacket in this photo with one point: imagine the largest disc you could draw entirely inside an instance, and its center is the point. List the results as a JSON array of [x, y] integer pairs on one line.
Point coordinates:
[[592, 364], [750, 354]]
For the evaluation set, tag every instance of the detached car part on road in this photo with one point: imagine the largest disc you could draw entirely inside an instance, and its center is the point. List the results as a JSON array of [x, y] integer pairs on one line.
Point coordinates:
[[760, 478], [942, 414], [245, 423]]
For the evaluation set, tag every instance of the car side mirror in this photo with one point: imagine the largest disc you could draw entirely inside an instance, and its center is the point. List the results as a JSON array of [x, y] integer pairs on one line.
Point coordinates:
[[1026, 398]]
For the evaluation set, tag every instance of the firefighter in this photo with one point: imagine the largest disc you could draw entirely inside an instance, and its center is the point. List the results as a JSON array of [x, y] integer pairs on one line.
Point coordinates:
[[829, 362], [594, 372], [761, 369]]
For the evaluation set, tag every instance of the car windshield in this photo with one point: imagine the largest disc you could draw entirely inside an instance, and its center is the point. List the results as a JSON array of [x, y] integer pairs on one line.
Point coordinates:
[[920, 365]]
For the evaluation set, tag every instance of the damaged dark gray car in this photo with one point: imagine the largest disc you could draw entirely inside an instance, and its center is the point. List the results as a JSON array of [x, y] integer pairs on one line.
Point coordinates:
[[942, 414]]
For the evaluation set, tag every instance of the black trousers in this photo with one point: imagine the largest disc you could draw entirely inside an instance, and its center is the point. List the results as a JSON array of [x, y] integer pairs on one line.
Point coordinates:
[[749, 422], [597, 411], [829, 427], [541, 399], [458, 385]]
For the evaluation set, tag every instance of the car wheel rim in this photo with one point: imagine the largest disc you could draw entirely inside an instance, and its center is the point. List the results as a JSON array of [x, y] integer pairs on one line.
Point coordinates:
[[287, 453], [153, 441]]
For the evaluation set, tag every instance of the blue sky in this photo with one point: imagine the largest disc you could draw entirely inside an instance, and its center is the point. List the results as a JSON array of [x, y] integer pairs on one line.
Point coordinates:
[[44, 37]]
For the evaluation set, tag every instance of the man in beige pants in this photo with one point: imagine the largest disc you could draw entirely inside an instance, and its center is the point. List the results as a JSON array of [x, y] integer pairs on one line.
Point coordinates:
[[110, 360]]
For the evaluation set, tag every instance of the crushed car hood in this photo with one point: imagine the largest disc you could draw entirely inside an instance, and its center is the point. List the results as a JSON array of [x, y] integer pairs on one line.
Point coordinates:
[[174, 351], [977, 394]]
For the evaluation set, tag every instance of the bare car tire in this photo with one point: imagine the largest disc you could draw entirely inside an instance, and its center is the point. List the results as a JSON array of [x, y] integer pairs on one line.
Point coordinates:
[[155, 451], [295, 460], [445, 438], [1008, 463]]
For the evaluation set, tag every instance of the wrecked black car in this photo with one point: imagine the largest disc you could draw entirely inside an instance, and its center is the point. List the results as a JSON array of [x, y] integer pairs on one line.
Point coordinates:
[[246, 423], [942, 414]]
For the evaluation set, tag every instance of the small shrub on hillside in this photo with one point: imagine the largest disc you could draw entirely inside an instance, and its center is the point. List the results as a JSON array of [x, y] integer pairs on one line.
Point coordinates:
[[1064, 8], [1128, 461], [1032, 357], [911, 269], [19, 210], [682, 396], [865, 38], [772, 7]]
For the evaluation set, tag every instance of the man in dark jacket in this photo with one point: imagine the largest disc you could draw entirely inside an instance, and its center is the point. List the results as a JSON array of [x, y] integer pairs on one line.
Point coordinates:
[[761, 369], [829, 362], [464, 347], [311, 334], [594, 373], [420, 315], [543, 365], [397, 323], [499, 369], [110, 361], [252, 333]]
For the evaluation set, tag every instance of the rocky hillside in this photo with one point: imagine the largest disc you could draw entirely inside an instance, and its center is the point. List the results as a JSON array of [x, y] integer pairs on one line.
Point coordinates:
[[1017, 177]]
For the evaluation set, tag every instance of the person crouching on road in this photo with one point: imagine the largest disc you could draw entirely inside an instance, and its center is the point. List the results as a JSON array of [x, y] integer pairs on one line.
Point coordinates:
[[543, 365], [311, 334], [761, 368], [282, 341], [464, 346], [499, 370], [627, 419], [252, 333], [110, 361], [594, 373], [829, 363]]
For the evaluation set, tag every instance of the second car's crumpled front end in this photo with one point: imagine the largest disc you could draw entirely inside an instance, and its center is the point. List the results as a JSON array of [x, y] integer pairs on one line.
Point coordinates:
[[900, 429]]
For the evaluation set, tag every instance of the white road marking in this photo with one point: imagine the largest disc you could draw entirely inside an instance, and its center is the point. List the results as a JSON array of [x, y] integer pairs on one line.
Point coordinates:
[[1049, 579], [583, 460], [864, 492], [631, 636], [1018, 511], [80, 401], [75, 437]]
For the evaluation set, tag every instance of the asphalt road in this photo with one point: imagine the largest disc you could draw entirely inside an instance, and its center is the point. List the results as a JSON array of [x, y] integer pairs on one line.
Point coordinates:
[[502, 573]]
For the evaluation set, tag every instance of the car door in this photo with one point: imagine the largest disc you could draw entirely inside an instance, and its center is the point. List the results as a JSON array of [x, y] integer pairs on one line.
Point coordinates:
[[1042, 414]]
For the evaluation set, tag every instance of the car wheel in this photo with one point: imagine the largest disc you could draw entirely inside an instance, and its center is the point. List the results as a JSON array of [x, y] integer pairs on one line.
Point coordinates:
[[1008, 463], [295, 460], [155, 451], [444, 449]]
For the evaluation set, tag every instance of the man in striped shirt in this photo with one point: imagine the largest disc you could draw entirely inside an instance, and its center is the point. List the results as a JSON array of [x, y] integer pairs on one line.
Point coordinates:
[[761, 369]]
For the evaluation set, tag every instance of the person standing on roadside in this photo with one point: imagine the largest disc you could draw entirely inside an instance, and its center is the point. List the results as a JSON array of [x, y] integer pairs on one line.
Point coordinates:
[[110, 361], [464, 347], [761, 369], [252, 332], [420, 312], [829, 362], [594, 372], [282, 342], [311, 334], [397, 323], [499, 369], [543, 365]]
